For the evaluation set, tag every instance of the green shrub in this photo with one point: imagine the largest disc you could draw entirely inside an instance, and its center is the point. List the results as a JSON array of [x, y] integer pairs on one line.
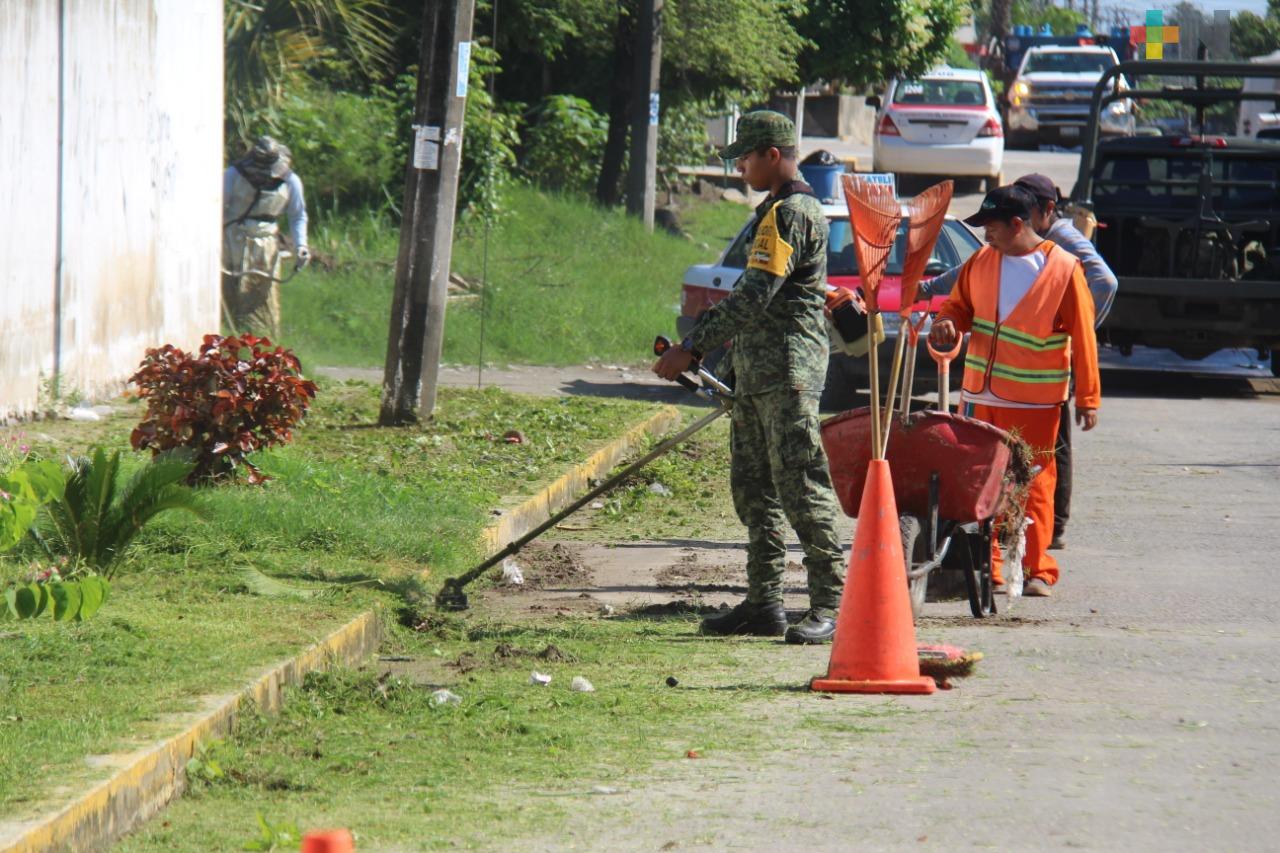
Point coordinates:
[[682, 138], [563, 146], [345, 145]]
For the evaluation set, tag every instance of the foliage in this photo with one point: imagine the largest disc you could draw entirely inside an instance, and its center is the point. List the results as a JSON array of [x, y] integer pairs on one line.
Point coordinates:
[[205, 765], [23, 491], [491, 134], [64, 600], [94, 520], [1063, 21], [563, 144], [270, 45], [722, 50], [284, 835], [682, 138], [346, 146], [1252, 35], [866, 42], [237, 396]]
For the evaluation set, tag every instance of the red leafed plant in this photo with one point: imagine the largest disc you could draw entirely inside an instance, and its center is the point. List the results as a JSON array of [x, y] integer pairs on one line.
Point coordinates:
[[240, 394]]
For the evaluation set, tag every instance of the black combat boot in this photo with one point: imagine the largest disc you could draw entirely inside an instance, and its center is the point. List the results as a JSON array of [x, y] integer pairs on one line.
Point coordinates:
[[817, 626], [759, 620]]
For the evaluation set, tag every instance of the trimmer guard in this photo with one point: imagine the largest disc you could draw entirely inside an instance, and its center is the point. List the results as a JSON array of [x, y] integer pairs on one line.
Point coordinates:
[[970, 457]]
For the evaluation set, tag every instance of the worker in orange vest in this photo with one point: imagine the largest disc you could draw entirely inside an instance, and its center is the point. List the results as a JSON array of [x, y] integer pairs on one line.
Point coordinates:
[[1026, 304]]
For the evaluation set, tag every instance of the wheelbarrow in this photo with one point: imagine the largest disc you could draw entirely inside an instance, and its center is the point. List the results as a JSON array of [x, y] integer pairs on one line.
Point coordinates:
[[950, 480]]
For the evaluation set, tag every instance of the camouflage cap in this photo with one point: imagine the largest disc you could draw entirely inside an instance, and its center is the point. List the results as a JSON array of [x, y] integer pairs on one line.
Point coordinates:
[[760, 129]]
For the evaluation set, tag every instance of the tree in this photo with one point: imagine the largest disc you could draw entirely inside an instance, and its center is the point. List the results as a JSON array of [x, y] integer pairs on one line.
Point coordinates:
[[865, 42], [270, 44], [1252, 35]]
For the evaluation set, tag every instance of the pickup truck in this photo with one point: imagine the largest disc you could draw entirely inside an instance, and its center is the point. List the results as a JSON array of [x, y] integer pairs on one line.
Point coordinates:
[[1190, 223], [1048, 101]]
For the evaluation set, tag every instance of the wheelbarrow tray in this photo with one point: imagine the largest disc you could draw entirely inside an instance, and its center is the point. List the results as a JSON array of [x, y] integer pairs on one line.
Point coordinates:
[[969, 456]]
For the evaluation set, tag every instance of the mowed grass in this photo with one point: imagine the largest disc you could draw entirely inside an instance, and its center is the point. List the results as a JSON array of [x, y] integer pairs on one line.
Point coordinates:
[[568, 283], [357, 514], [512, 760]]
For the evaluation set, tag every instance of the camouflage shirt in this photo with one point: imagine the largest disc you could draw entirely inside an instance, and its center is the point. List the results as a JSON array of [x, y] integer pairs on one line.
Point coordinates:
[[774, 315]]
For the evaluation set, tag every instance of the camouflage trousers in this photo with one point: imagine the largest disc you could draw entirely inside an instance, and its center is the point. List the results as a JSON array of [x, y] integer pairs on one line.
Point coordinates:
[[780, 475]]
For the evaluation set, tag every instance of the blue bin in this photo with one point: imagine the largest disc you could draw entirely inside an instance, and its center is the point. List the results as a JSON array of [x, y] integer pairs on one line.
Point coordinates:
[[825, 181]]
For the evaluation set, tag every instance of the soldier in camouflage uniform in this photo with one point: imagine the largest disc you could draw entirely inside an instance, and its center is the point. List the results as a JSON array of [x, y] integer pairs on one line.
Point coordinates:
[[778, 332]]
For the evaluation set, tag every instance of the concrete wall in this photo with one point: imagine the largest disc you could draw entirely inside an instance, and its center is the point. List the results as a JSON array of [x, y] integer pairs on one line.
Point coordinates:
[[111, 136]]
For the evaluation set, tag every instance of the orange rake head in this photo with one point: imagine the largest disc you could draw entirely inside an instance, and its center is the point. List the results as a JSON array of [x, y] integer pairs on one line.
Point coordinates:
[[928, 210], [875, 214]]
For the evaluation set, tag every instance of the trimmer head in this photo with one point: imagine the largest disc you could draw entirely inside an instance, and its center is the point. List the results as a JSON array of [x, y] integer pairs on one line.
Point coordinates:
[[452, 598]]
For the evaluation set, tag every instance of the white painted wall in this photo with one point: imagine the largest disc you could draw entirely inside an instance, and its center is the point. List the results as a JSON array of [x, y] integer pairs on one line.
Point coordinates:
[[140, 156]]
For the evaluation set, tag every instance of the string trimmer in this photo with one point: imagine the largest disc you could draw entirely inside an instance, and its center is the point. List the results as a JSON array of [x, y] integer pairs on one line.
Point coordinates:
[[451, 595]]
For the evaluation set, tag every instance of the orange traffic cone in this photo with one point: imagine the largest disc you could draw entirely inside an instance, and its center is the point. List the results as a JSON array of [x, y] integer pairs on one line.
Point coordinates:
[[328, 841], [874, 650]]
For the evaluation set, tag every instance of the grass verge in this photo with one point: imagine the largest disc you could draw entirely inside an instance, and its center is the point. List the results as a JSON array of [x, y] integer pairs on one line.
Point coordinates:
[[568, 283], [370, 750], [353, 512]]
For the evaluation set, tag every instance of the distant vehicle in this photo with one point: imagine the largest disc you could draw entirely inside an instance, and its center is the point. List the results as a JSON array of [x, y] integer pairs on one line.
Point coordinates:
[[1260, 114], [1189, 223], [707, 284], [943, 123], [1048, 100]]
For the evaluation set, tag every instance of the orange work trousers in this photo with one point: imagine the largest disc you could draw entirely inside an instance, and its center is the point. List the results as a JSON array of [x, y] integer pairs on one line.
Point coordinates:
[[1038, 428]]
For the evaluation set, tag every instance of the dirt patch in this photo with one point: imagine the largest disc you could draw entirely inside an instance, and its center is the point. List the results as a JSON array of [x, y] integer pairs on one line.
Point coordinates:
[[507, 653], [1000, 620], [555, 565], [689, 574], [676, 608]]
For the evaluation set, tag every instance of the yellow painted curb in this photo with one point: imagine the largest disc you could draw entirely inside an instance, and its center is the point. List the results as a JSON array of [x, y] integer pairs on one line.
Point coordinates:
[[522, 518], [151, 777]]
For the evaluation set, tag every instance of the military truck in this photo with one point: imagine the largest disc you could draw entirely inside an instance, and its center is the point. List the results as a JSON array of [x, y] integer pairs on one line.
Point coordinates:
[[1190, 223]]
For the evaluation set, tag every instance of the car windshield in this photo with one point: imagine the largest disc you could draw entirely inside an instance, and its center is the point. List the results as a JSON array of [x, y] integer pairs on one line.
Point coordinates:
[[954, 246], [1068, 63], [939, 93]]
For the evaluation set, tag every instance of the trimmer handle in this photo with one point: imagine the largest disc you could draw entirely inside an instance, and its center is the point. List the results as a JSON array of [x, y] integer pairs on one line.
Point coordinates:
[[660, 345]]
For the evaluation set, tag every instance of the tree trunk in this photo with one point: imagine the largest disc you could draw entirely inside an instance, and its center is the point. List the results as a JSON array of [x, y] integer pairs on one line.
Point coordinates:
[[615, 146]]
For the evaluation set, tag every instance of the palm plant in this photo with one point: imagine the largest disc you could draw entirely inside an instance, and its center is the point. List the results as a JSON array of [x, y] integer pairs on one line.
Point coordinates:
[[270, 43], [95, 520]]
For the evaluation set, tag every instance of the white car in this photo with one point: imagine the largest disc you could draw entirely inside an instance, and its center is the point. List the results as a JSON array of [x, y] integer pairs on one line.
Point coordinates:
[[943, 123]]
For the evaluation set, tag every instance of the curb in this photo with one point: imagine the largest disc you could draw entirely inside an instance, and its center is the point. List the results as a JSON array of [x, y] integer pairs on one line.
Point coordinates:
[[151, 777], [155, 775], [519, 520]]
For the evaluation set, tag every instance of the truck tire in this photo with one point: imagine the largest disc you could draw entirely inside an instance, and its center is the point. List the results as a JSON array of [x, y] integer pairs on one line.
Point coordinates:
[[1275, 362], [992, 181]]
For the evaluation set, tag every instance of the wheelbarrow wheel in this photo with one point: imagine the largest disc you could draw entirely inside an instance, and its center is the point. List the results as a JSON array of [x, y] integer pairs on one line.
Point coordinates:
[[914, 549], [977, 575]]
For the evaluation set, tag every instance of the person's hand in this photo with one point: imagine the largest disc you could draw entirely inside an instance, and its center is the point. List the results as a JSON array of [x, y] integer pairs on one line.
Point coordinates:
[[943, 334], [672, 363], [1087, 419], [304, 256]]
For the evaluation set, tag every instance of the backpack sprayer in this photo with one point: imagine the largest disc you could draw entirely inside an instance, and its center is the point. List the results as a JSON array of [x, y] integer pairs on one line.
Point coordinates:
[[451, 595]]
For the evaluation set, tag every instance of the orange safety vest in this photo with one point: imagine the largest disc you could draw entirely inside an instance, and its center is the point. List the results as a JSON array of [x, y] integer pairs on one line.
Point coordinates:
[[1021, 359]]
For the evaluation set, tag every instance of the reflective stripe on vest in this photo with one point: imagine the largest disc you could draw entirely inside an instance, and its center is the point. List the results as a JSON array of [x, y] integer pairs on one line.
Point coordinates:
[[1021, 359]]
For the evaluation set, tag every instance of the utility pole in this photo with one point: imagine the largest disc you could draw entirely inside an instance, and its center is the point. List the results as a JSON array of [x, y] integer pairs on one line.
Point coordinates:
[[416, 336], [643, 169]]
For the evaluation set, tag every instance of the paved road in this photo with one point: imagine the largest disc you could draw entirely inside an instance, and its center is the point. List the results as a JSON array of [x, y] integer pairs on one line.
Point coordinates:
[[1132, 711]]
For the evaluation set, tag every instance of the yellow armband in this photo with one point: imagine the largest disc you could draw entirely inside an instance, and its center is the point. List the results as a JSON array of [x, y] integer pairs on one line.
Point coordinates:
[[769, 252]]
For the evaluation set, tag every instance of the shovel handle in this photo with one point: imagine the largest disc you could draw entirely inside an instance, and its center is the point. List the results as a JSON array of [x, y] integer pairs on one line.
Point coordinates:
[[943, 360]]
